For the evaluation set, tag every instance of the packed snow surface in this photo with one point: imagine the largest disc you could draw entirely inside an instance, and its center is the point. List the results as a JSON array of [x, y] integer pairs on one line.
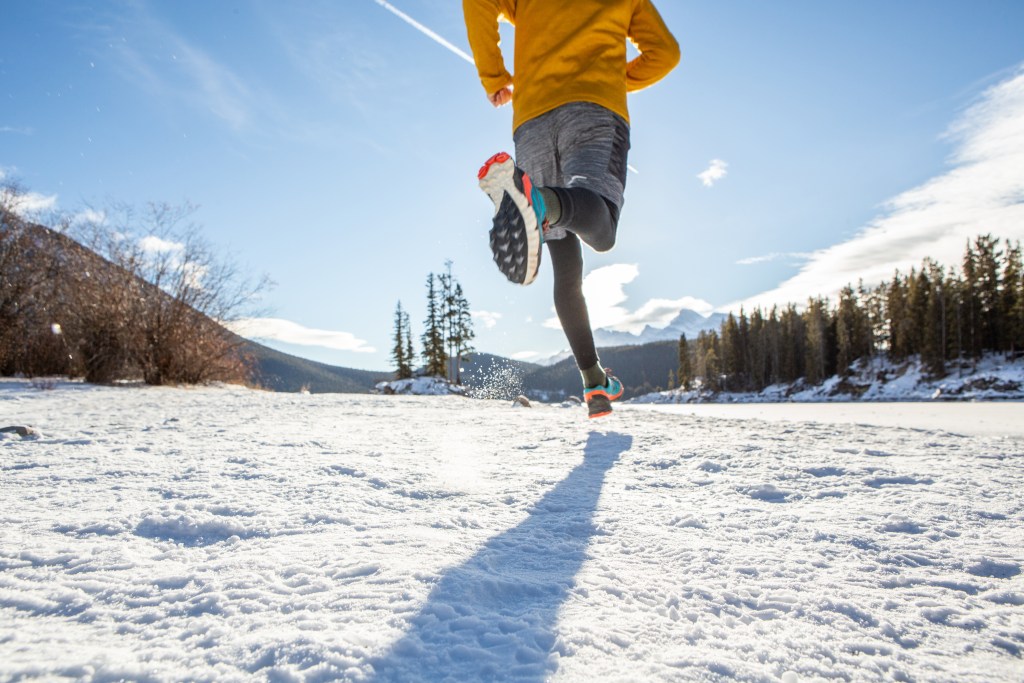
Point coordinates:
[[229, 534]]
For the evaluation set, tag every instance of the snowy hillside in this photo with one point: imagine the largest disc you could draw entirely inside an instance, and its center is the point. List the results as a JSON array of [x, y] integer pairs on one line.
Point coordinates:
[[230, 534], [990, 378]]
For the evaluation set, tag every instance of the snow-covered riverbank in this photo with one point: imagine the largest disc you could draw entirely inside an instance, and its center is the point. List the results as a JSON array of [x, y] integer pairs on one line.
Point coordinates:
[[230, 534]]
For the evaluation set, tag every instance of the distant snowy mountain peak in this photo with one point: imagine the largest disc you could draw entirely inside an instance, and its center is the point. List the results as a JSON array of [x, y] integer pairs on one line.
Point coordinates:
[[688, 322]]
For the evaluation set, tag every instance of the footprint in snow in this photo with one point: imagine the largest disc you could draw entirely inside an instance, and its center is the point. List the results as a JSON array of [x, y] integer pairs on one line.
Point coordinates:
[[825, 471], [769, 493], [879, 482], [994, 569], [902, 526]]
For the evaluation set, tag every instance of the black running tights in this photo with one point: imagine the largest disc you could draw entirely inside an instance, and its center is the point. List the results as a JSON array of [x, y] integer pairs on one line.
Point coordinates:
[[595, 221]]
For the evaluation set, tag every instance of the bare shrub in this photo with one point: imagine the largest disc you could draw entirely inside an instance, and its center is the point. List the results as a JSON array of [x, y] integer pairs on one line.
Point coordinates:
[[123, 295], [169, 294], [28, 283]]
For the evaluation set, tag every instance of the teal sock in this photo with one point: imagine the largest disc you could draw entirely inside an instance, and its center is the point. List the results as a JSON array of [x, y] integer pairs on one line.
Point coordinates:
[[594, 377], [552, 205]]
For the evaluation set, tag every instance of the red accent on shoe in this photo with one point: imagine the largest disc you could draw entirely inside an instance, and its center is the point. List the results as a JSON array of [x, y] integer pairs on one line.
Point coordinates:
[[499, 158], [528, 189], [599, 415]]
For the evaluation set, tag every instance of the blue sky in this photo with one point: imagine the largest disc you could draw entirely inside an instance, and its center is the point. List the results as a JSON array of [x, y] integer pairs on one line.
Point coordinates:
[[333, 146]]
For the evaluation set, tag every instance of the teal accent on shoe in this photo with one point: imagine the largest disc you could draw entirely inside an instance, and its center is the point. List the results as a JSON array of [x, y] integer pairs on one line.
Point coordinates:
[[537, 201], [612, 389]]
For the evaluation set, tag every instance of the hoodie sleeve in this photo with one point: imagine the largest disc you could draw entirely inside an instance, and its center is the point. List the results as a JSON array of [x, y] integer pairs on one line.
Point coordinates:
[[482, 18], [659, 51]]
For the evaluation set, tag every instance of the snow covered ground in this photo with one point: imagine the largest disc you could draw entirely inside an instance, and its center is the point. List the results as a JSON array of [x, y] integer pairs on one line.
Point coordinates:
[[989, 418], [229, 534]]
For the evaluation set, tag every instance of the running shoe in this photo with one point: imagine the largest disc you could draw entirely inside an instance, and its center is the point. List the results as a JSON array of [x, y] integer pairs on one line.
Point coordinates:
[[517, 236], [599, 399]]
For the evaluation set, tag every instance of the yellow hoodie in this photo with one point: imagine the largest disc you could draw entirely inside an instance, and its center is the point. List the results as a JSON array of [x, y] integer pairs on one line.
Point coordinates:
[[569, 51]]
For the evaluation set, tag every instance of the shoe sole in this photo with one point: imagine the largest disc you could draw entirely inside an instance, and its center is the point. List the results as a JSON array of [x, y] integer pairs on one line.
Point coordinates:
[[599, 405], [599, 401], [513, 217]]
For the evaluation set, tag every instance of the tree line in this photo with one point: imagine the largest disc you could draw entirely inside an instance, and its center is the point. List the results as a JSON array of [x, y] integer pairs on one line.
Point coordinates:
[[128, 295], [448, 331], [942, 315]]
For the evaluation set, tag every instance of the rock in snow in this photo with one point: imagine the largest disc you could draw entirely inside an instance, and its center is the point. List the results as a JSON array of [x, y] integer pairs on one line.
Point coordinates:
[[230, 534], [20, 430]]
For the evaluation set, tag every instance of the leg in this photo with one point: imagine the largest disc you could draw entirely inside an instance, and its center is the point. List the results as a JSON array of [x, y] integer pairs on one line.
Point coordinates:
[[567, 265], [593, 144], [586, 214]]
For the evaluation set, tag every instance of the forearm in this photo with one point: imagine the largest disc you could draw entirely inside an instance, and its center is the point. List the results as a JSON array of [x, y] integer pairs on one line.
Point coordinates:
[[659, 51], [482, 30]]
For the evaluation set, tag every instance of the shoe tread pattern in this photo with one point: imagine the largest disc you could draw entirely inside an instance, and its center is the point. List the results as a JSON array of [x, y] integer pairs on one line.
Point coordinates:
[[508, 241]]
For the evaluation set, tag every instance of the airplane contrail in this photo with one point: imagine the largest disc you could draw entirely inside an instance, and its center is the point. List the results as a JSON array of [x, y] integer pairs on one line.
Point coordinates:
[[424, 30]]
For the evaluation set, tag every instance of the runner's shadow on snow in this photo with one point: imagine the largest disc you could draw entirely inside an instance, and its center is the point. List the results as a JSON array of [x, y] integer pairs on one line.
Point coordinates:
[[495, 616]]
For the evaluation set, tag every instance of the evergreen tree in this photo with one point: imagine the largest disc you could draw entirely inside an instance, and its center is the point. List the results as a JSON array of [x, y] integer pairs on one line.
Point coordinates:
[[745, 359], [848, 331], [918, 290], [898, 319], [732, 355], [933, 330], [684, 373], [462, 330], [410, 354], [773, 339], [1013, 299], [447, 299], [793, 342], [712, 369], [400, 353], [434, 356], [970, 304], [874, 317], [708, 367], [758, 362], [989, 286], [955, 313], [816, 350]]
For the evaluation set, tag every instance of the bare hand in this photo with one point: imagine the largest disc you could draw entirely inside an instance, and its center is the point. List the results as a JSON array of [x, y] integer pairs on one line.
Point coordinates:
[[501, 98]]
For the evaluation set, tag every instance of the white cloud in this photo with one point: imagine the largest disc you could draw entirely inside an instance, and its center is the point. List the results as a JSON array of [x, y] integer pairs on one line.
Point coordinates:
[[23, 203], [166, 65], [289, 332], [604, 291], [29, 203], [223, 91], [89, 217], [151, 244], [605, 294], [488, 319], [982, 193], [16, 130], [774, 256], [717, 170]]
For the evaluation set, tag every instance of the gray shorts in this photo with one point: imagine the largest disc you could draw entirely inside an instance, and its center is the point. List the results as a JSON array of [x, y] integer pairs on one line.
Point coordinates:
[[579, 144]]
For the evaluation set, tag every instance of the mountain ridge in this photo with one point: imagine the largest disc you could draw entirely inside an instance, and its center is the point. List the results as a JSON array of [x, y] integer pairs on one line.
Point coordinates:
[[688, 322]]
